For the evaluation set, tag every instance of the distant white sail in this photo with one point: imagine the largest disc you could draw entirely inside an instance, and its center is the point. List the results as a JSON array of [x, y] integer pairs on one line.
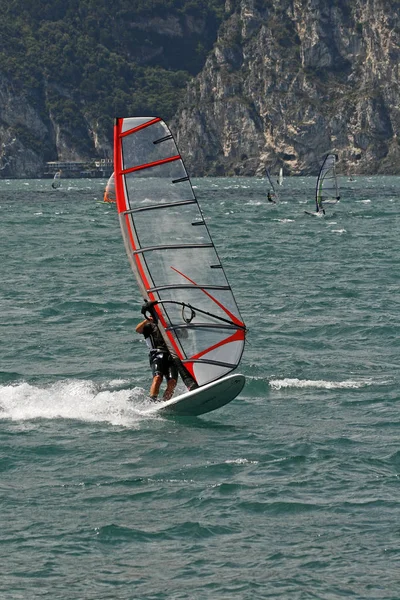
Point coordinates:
[[280, 178], [272, 195], [56, 180], [327, 191]]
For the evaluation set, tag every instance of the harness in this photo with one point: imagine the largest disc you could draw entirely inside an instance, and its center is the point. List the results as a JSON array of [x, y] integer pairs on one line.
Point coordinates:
[[154, 340]]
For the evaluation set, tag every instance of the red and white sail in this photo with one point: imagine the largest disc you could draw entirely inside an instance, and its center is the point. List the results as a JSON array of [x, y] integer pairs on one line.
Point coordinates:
[[171, 251]]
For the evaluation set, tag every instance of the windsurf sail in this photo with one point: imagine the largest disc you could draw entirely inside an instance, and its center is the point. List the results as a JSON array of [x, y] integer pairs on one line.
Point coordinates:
[[272, 194], [172, 254], [327, 191], [56, 180], [109, 191], [280, 177]]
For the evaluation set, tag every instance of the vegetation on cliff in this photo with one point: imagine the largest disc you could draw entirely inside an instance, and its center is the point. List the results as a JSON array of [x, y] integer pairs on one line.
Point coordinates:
[[100, 59]]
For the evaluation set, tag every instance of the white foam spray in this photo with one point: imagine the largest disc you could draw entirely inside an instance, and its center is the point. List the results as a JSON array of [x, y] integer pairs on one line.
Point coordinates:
[[76, 399], [279, 384]]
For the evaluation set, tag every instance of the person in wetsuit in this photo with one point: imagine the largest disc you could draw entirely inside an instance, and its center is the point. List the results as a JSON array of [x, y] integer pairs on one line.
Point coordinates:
[[161, 362], [270, 199]]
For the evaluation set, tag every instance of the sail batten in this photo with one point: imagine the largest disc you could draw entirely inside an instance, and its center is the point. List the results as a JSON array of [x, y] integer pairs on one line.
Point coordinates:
[[182, 286], [146, 123], [199, 325], [180, 180], [157, 206], [172, 247], [217, 363], [152, 164], [174, 261], [163, 139]]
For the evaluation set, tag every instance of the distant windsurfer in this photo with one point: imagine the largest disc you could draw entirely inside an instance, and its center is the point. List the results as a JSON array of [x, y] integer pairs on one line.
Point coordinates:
[[161, 362], [270, 198], [106, 198], [109, 192], [56, 181]]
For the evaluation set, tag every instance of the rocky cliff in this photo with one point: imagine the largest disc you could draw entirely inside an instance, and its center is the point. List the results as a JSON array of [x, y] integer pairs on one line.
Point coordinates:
[[289, 80], [285, 82], [30, 134]]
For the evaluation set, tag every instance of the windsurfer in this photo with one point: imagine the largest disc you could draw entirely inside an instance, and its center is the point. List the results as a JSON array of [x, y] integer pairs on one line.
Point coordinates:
[[270, 199], [109, 192], [161, 362]]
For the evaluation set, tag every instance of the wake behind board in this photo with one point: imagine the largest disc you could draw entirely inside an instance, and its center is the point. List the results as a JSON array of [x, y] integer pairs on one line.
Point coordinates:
[[204, 399], [314, 214]]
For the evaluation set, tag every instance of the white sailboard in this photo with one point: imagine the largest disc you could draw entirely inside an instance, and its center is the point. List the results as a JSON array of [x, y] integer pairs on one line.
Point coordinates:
[[204, 399], [280, 177], [176, 265]]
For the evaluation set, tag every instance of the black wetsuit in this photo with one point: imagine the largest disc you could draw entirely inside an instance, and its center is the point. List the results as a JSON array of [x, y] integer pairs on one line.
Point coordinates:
[[160, 359]]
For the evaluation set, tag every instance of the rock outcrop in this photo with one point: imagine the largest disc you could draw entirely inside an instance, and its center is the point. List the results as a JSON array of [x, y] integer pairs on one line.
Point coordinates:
[[288, 81], [23, 133]]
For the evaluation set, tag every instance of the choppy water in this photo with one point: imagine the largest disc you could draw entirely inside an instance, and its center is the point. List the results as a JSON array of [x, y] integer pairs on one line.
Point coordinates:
[[291, 491]]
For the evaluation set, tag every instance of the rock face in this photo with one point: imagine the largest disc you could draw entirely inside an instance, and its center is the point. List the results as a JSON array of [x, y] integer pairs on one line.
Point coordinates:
[[288, 81], [22, 132], [29, 136]]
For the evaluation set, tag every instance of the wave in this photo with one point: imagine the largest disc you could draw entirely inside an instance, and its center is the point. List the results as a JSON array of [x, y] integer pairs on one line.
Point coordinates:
[[76, 399], [279, 384]]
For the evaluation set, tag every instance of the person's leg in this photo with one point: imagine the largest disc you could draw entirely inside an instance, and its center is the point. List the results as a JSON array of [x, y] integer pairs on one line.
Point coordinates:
[[171, 375], [156, 368], [169, 392], [155, 386]]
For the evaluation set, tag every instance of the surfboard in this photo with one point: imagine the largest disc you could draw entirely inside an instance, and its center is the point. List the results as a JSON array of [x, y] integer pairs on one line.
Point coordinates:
[[204, 399]]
